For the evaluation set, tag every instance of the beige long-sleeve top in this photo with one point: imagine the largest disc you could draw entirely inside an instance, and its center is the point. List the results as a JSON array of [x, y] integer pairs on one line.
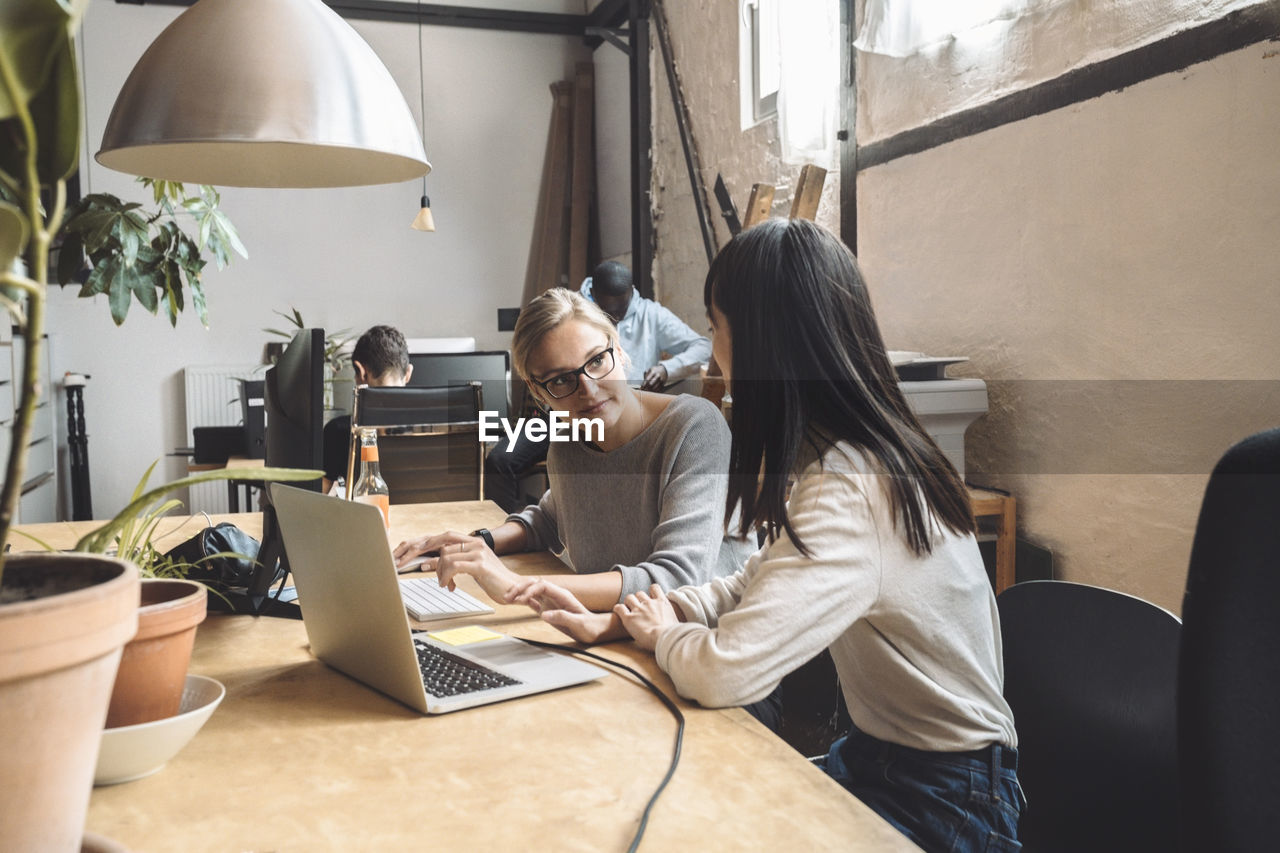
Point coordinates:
[[915, 638]]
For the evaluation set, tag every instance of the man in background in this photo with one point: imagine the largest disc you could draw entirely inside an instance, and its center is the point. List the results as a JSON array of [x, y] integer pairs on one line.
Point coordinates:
[[646, 330], [380, 359]]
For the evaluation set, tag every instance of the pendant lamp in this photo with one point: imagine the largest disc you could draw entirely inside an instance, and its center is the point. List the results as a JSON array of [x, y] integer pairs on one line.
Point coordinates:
[[424, 221], [263, 93]]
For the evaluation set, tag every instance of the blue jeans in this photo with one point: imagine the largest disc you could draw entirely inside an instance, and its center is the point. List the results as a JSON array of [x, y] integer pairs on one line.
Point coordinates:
[[967, 801]]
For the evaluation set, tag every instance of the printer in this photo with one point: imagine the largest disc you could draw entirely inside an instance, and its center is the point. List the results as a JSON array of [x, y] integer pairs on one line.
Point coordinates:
[[944, 406]]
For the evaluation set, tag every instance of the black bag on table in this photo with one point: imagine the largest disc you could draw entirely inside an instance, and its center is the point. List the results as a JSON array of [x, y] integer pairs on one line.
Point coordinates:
[[224, 571]]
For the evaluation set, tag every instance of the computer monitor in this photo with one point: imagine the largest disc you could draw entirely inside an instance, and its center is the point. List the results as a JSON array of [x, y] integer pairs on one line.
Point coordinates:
[[294, 402], [492, 369]]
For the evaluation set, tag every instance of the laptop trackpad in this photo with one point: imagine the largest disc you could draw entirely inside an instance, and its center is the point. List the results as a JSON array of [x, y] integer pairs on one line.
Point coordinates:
[[521, 660]]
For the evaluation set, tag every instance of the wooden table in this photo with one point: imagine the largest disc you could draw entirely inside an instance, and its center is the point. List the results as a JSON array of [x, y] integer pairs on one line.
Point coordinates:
[[300, 757]]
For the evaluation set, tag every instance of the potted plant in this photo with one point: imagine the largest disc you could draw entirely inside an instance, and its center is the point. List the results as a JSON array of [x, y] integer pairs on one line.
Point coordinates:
[[63, 618], [335, 366], [153, 666]]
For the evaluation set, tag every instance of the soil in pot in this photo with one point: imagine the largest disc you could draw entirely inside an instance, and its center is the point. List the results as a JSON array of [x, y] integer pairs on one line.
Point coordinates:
[[153, 668]]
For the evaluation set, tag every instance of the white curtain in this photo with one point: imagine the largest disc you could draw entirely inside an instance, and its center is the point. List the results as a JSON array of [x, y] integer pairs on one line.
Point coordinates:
[[903, 27], [809, 82]]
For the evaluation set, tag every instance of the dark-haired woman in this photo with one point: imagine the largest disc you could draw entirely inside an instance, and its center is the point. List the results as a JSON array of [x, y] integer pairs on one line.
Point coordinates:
[[873, 556]]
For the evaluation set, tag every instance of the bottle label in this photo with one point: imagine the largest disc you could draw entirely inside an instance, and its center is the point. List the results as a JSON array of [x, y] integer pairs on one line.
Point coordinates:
[[369, 453]]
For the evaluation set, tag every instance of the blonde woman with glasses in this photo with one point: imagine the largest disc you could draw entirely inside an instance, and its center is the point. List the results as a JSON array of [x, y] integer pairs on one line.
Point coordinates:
[[642, 505]]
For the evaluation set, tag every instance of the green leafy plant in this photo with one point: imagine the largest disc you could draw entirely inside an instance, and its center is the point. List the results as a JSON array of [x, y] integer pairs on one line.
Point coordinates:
[[333, 343], [39, 148], [40, 133], [146, 255], [130, 535]]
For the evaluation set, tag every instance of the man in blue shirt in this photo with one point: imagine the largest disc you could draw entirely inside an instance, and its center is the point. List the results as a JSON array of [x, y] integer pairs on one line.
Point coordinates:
[[646, 330]]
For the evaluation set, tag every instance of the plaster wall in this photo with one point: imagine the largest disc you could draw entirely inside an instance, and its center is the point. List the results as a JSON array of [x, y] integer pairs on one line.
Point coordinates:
[[1110, 269], [345, 258], [704, 36], [980, 65]]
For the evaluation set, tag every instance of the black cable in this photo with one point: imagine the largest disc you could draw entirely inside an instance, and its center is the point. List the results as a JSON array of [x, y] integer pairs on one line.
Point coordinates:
[[666, 700]]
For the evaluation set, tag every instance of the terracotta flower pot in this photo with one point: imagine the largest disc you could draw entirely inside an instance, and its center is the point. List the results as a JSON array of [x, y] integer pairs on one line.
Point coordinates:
[[63, 621], [154, 666]]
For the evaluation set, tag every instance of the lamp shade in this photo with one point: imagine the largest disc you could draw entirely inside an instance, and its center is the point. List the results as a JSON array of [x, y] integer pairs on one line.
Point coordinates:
[[262, 93]]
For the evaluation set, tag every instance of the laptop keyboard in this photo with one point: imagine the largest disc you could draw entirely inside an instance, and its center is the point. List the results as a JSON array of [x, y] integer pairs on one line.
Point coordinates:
[[446, 674], [425, 600]]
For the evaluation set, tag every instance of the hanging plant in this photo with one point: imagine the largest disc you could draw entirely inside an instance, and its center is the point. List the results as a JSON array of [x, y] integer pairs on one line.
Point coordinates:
[[146, 255]]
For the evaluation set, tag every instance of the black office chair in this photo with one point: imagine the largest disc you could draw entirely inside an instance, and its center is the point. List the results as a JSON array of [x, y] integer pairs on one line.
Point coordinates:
[[1091, 677], [1229, 670], [428, 441]]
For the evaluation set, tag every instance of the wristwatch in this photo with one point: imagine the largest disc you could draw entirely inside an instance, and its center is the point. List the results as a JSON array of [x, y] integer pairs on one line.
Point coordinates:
[[484, 534]]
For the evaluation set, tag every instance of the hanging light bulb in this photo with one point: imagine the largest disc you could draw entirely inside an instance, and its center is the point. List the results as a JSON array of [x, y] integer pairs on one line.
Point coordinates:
[[424, 221]]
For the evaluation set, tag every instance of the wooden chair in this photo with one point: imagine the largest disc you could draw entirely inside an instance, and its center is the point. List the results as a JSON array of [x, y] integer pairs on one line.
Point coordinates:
[[986, 503]]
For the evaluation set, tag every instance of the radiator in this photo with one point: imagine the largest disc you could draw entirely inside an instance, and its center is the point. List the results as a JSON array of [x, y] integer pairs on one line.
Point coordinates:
[[213, 399]]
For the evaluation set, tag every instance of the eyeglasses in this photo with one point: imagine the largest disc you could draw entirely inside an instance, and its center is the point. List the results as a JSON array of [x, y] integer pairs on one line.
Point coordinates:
[[563, 384]]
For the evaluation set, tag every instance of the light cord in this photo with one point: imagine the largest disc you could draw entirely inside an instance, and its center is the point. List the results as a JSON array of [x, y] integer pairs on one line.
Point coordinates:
[[422, 94]]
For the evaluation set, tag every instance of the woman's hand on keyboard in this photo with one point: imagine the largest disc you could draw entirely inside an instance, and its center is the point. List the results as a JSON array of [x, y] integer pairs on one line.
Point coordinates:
[[431, 546], [473, 557]]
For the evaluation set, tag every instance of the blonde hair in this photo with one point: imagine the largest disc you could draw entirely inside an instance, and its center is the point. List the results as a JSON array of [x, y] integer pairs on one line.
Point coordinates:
[[549, 311]]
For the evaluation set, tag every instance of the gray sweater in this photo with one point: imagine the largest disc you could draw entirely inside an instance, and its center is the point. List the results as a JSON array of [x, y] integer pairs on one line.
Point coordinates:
[[652, 509]]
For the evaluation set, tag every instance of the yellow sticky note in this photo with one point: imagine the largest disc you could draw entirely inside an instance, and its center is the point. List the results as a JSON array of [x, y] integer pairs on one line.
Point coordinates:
[[464, 636]]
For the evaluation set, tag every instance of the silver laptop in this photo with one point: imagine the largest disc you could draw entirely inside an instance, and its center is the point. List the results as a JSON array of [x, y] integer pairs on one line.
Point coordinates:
[[357, 624]]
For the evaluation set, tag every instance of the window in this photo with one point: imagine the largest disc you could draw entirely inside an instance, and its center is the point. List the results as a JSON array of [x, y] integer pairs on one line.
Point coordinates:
[[758, 60], [903, 27], [789, 63]]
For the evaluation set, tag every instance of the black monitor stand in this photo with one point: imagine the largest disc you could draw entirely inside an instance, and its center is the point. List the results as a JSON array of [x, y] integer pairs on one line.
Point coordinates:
[[273, 564]]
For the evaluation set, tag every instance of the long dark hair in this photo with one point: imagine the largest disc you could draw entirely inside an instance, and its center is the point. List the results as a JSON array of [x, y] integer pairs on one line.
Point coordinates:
[[810, 368]]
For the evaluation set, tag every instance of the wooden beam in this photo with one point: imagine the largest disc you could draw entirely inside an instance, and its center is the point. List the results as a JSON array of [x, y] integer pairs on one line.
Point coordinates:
[[759, 204], [537, 241], [549, 240], [804, 204], [684, 123], [553, 261], [1175, 53]]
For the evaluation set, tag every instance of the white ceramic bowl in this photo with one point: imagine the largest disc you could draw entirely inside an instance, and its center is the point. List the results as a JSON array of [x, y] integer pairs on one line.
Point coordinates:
[[131, 752]]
